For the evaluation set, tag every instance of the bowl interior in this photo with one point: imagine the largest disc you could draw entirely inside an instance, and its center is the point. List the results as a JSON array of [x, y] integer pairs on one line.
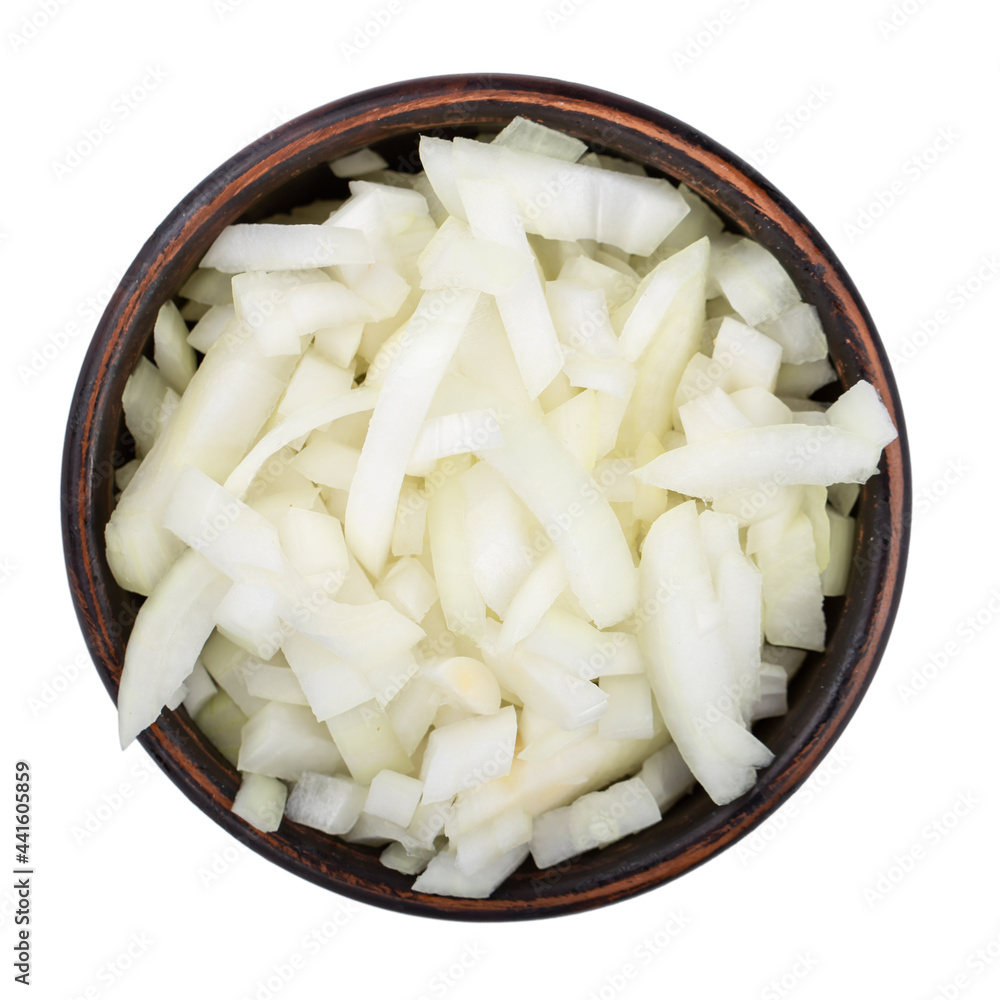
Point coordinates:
[[288, 168]]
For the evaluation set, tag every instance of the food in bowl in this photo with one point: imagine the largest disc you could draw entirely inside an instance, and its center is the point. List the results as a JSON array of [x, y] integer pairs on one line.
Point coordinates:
[[496, 512]]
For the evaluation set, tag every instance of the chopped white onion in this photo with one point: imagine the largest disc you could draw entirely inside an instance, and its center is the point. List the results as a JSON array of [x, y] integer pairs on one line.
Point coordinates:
[[497, 512], [265, 247]]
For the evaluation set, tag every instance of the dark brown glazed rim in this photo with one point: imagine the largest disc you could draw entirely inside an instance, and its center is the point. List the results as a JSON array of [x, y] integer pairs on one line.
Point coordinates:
[[823, 695]]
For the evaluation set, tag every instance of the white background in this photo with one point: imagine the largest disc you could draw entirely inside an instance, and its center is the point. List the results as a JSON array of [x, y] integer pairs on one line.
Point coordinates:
[[880, 878]]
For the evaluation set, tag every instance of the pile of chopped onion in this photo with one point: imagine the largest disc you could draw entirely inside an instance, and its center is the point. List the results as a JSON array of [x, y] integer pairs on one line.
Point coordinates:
[[496, 511]]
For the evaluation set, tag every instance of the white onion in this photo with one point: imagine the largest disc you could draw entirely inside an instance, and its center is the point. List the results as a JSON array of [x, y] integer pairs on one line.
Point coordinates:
[[411, 379], [540, 573], [263, 247], [167, 637]]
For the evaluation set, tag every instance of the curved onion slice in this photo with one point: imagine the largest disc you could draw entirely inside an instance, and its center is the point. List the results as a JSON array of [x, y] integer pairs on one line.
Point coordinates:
[[414, 371], [301, 422], [167, 637]]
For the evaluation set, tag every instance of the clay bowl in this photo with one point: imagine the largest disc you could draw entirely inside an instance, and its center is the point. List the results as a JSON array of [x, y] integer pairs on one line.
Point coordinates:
[[286, 167]]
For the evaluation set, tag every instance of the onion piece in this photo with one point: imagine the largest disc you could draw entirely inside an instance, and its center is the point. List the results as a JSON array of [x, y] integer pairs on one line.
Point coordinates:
[[367, 742], [801, 381], [380, 285], [648, 310], [394, 220], [221, 722], [411, 521], [439, 168], [260, 801], [762, 456], [667, 776], [760, 407], [552, 741], [461, 601], [550, 689], [792, 590], [842, 534], [688, 660], [499, 536], [466, 754], [593, 820], [389, 676], [464, 682], [409, 385], [521, 304], [538, 786], [314, 380], [747, 357], [327, 461], [455, 257], [455, 434], [582, 649], [340, 343], [773, 697], [799, 332], [738, 586], [574, 424], [357, 164], [484, 356], [315, 547], [280, 307], [843, 497], [533, 137], [396, 857], [443, 877], [284, 741], [570, 201], [618, 286], [144, 401], [700, 221], [248, 617], [534, 597], [630, 708], [209, 287], [305, 420], [200, 688], [614, 376], [581, 318], [331, 685], [265, 247], [663, 362], [224, 407], [276, 683], [172, 353], [752, 280], [409, 588], [169, 632], [232, 667], [226, 531], [412, 711], [210, 327], [489, 843], [860, 411], [394, 797], [375, 632], [711, 415], [328, 803], [562, 496]]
